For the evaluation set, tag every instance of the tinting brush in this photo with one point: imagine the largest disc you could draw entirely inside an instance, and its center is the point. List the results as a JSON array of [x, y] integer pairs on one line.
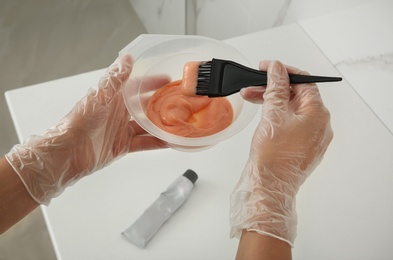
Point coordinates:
[[220, 78]]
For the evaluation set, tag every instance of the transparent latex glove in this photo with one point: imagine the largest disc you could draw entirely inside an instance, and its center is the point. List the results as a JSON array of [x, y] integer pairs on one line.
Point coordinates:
[[96, 131], [288, 144]]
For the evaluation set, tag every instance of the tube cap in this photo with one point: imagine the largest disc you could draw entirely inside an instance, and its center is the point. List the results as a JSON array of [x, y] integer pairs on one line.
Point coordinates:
[[191, 175]]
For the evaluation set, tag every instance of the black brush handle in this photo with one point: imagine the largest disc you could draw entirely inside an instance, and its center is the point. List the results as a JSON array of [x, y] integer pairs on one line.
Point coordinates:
[[236, 76], [303, 79]]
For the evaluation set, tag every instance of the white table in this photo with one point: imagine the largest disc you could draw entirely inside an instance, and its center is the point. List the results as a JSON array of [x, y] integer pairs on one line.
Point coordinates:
[[345, 208]]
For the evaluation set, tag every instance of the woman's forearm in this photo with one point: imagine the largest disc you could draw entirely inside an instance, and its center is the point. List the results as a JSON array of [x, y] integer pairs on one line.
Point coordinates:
[[15, 201], [255, 246]]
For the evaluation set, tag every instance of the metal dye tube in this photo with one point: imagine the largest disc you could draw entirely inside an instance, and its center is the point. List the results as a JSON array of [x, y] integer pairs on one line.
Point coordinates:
[[144, 228]]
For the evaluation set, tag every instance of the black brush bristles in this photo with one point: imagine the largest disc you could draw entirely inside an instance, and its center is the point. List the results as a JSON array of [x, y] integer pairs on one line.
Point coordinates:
[[220, 78], [204, 70]]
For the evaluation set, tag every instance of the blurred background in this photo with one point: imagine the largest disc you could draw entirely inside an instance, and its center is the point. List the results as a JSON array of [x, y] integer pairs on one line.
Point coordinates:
[[43, 40]]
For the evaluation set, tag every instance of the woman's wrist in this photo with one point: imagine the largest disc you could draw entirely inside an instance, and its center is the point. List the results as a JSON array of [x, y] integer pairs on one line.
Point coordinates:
[[262, 203], [15, 200], [48, 163]]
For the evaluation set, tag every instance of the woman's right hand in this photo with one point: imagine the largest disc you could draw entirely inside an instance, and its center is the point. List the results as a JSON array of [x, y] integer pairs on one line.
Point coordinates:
[[291, 138]]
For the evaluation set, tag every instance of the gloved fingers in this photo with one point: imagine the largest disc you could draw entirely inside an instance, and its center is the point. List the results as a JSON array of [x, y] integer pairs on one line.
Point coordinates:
[[113, 79], [138, 130], [278, 91], [294, 70], [121, 67], [146, 142], [307, 92], [301, 90], [264, 65], [253, 94], [142, 140], [308, 98], [307, 95], [308, 102], [149, 83]]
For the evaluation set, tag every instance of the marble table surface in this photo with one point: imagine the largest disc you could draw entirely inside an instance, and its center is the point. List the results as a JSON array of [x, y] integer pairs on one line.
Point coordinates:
[[359, 43]]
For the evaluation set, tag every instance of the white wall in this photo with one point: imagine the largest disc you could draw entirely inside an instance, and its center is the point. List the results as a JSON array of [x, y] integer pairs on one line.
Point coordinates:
[[227, 18], [223, 19], [161, 16], [304, 9]]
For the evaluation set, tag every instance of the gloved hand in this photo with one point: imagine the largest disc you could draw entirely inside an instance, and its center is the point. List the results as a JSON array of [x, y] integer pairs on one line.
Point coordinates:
[[96, 131], [288, 144]]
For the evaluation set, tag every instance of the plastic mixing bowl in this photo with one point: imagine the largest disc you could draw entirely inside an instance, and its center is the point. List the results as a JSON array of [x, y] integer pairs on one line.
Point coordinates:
[[158, 55]]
